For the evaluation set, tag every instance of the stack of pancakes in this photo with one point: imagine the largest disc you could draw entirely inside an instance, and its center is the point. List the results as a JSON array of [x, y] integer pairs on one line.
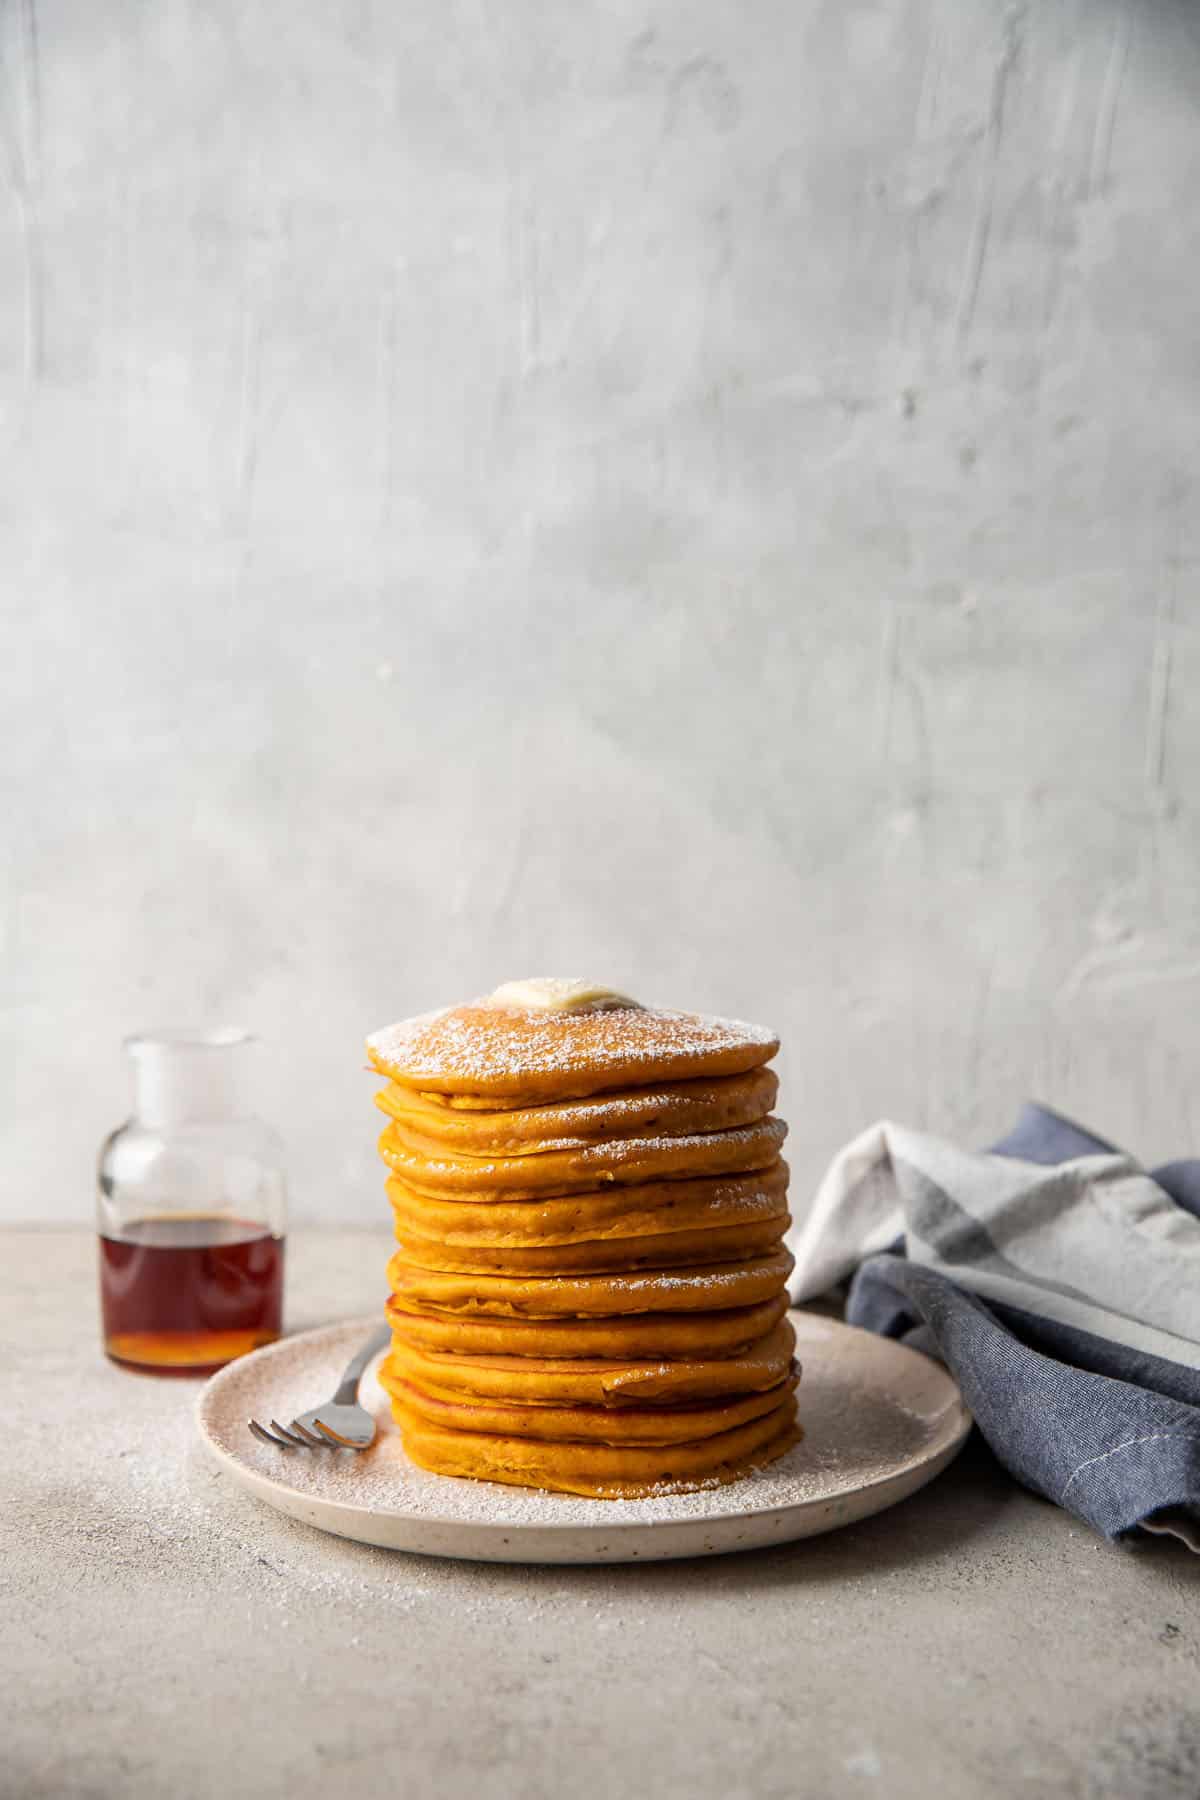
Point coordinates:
[[589, 1290]]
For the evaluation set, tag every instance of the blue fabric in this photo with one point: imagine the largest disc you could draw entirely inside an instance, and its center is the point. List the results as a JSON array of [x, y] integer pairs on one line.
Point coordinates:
[[1109, 1432]]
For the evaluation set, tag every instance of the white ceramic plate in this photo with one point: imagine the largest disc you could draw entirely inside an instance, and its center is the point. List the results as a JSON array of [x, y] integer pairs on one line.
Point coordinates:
[[880, 1421]]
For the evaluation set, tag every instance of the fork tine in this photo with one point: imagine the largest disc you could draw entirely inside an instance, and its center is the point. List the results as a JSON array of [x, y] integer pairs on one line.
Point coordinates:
[[314, 1443], [265, 1437], [332, 1440], [297, 1443]]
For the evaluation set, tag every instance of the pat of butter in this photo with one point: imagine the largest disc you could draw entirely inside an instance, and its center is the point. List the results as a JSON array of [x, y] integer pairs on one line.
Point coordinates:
[[553, 993]]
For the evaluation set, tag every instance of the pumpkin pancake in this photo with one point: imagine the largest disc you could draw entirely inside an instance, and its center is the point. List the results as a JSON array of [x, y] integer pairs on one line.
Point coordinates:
[[620, 1339], [671, 1109], [691, 1289], [523, 1046], [537, 1381], [633, 1160], [644, 1210], [675, 1249], [587, 1424], [589, 1292], [602, 1471]]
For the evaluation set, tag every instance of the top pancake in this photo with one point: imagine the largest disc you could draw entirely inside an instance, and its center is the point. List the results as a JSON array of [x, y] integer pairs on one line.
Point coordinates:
[[528, 1056]]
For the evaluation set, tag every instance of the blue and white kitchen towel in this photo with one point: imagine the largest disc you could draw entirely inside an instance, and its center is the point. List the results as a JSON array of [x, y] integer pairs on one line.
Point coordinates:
[[1058, 1280]]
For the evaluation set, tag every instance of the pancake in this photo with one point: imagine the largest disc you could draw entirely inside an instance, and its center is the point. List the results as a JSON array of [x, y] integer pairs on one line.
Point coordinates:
[[624, 1339], [587, 1424], [529, 1054], [670, 1109], [675, 1249], [632, 1160], [640, 1210], [692, 1289], [541, 1381], [601, 1471], [589, 1289]]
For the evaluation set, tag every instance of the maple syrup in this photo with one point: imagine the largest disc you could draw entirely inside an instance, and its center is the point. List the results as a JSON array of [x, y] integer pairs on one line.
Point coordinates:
[[184, 1293]]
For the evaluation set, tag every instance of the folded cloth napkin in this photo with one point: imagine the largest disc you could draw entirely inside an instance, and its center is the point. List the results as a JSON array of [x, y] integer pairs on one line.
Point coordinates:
[[1059, 1281]]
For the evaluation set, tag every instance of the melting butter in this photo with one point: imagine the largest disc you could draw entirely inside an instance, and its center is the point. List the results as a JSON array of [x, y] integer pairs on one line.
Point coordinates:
[[557, 994]]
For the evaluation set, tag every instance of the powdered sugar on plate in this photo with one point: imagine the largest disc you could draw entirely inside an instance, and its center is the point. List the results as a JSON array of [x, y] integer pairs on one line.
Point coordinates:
[[879, 1420]]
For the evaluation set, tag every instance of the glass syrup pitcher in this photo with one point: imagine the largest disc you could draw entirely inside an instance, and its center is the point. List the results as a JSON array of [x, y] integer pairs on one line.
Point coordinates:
[[190, 1211]]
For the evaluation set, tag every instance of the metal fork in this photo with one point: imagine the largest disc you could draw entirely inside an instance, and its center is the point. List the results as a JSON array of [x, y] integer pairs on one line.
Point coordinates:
[[341, 1424]]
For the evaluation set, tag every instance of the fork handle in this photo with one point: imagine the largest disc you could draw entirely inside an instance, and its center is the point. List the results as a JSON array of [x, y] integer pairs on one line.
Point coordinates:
[[347, 1392]]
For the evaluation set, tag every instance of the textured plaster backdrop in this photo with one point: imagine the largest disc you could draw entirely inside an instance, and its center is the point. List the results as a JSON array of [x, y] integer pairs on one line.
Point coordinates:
[[696, 494]]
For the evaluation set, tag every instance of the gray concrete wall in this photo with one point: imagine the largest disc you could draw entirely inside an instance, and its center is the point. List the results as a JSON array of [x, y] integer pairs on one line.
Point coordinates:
[[692, 493]]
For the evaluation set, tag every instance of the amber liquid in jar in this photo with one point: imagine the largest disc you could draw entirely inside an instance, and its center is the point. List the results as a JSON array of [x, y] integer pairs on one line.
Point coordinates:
[[184, 1293]]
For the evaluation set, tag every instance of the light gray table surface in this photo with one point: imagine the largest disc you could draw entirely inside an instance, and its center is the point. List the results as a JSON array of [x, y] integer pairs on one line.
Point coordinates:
[[161, 1633]]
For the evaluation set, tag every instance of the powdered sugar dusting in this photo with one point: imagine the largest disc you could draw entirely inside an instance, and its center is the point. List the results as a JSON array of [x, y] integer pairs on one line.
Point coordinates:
[[484, 1050], [862, 1426]]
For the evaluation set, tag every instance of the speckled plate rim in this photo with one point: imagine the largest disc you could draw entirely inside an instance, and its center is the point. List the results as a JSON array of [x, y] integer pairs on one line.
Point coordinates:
[[898, 1370]]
